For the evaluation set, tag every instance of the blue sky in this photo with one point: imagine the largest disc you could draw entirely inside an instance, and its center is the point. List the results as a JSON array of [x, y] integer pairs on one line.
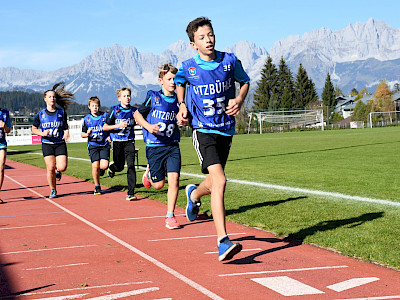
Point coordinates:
[[46, 35]]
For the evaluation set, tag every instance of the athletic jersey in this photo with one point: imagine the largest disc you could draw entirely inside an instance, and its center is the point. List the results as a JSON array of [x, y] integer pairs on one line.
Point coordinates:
[[55, 121], [5, 117], [208, 93], [97, 137], [115, 116], [162, 110]]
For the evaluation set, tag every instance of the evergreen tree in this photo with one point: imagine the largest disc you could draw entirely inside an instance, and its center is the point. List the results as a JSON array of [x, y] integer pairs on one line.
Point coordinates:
[[285, 86], [328, 93], [305, 91], [265, 94]]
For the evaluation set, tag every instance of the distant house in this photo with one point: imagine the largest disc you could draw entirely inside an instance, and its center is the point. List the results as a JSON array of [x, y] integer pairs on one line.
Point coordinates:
[[345, 105]]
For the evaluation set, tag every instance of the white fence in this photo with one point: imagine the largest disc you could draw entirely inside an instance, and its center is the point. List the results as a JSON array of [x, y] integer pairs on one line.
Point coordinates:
[[22, 134]]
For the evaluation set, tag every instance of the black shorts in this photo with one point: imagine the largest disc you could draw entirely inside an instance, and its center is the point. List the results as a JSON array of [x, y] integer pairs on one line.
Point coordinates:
[[54, 149], [211, 149], [97, 153], [163, 160]]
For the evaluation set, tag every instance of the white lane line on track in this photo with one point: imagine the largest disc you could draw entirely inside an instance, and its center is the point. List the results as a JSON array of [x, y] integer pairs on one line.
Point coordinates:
[[287, 188], [244, 250], [87, 288], [351, 283], [126, 294], [283, 271], [193, 237], [140, 218], [64, 297], [32, 226], [48, 249], [159, 264], [53, 267], [374, 298]]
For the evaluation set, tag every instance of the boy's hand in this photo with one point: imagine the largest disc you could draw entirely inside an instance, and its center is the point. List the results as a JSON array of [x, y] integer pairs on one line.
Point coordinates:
[[234, 106], [153, 128], [89, 131], [66, 135], [181, 116], [46, 132], [123, 124], [2, 124]]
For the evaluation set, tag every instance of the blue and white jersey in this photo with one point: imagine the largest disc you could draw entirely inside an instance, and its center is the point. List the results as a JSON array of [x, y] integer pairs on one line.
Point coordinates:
[[5, 117], [97, 137], [163, 110], [115, 116], [209, 92], [56, 122]]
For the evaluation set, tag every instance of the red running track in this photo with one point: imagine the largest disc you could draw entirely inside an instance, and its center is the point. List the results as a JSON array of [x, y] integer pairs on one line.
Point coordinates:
[[81, 246]]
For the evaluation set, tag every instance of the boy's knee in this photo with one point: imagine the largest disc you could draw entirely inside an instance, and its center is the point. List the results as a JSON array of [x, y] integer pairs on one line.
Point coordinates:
[[158, 185]]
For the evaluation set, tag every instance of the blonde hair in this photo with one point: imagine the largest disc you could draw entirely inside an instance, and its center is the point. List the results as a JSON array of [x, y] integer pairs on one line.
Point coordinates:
[[94, 99], [122, 90], [63, 97], [165, 68]]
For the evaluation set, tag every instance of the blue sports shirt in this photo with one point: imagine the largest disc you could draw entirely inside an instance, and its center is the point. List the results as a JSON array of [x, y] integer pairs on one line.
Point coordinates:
[[160, 109], [5, 117], [115, 116], [211, 86], [55, 121], [97, 137]]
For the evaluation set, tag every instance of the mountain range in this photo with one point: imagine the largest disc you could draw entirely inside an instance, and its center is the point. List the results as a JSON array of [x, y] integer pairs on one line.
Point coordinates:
[[357, 56]]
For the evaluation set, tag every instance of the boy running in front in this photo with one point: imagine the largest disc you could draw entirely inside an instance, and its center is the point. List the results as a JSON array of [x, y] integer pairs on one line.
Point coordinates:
[[212, 104], [98, 141], [157, 116]]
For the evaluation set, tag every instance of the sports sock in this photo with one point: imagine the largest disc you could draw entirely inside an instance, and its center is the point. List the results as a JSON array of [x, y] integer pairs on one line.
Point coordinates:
[[220, 239], [169, 214]]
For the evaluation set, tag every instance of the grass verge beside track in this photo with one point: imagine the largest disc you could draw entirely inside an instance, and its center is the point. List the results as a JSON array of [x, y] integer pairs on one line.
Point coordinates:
[[361, 162]]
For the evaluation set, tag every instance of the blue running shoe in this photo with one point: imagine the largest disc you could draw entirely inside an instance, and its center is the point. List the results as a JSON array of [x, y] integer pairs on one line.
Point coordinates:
[[227, 249], [192, 209], [53, 194]]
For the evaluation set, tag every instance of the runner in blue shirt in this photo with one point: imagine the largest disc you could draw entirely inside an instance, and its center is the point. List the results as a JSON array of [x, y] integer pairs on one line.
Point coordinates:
[[51, 124], [157, 116], [98, 141], [121, 123], [5, 127], [211, 106]]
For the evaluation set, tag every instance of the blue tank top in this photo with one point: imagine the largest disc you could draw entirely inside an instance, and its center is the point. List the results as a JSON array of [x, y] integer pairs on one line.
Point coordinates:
[[117, 114], [54, 122], [97, 137], [209, 92], [5, 117], [162, 112]]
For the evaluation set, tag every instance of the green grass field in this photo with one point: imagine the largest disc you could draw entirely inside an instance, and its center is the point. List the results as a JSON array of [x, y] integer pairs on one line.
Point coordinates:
[[358, 162]]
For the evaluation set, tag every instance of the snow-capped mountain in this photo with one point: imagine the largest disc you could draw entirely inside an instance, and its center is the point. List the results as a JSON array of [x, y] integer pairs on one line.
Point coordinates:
[[358, 56]]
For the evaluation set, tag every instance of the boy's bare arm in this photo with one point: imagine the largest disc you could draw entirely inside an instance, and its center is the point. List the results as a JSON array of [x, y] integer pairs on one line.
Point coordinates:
[[235, 104], [152, 128], [181, 117], [107, 127]]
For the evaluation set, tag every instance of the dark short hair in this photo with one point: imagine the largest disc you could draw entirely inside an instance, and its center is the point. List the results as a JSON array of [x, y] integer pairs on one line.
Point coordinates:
[[195, 24]]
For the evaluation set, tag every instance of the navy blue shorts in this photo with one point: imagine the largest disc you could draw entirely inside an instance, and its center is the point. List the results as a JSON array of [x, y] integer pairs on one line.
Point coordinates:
[[54, 149], [97, 153], [163, 160]]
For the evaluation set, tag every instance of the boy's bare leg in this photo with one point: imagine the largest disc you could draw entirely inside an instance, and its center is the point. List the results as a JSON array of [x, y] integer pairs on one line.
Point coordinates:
[[173, 190], [96, 172], [214, 184], [3, 155]]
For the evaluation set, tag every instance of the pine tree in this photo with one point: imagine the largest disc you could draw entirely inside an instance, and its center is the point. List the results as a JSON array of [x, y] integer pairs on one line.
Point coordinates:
[[265, 94], [285, 86], [328, 94], [305, 91]]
